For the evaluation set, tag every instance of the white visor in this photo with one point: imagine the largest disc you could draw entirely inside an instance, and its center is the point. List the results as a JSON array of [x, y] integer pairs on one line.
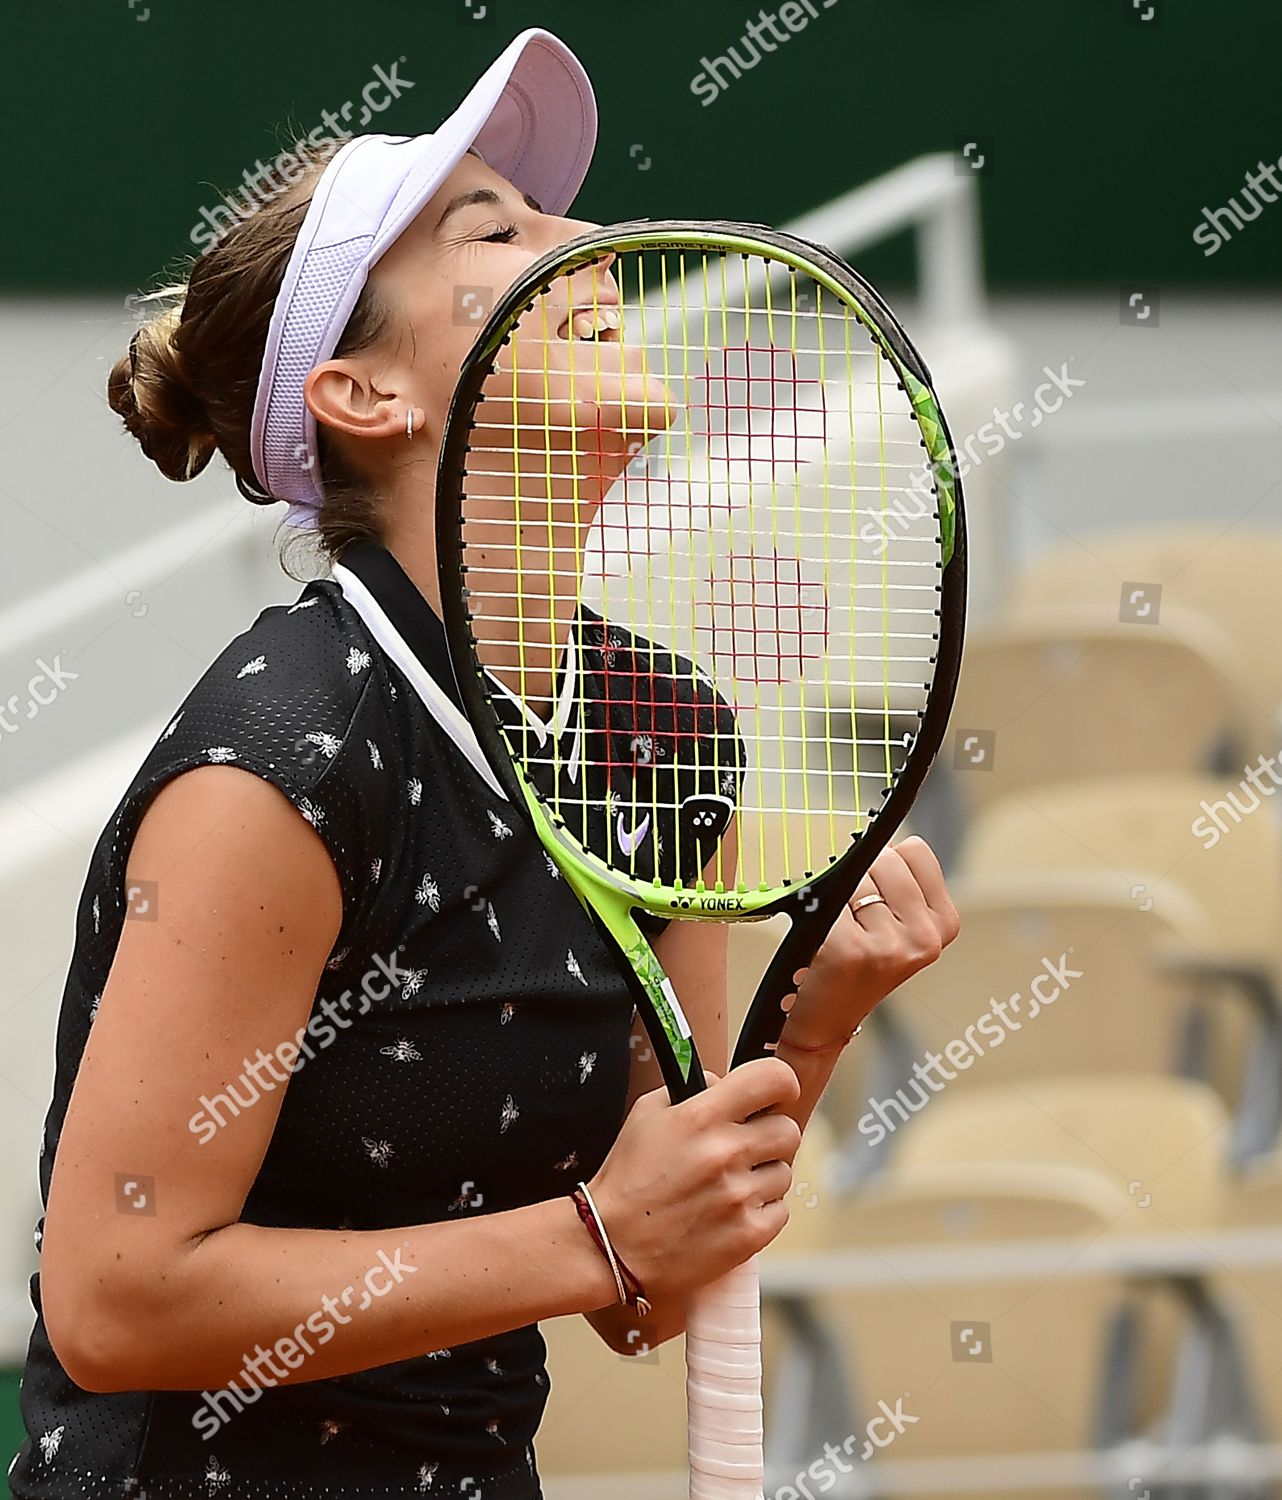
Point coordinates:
[[531, 117]]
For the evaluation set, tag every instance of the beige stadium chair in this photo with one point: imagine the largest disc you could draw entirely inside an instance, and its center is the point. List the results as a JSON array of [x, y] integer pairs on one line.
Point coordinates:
[[1254, 1200], [1092, 999], [1230, 575], [1218, 843], [991, 1367], [1162, 1141], [1056, 694], [1201, 838], [791, 1373], [1088, 1158]]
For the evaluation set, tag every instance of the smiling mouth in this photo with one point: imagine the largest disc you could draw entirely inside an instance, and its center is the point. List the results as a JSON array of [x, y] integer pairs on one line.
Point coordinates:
[[599, 325]]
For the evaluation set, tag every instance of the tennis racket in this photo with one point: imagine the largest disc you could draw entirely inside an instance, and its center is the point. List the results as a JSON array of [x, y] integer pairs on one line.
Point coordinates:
[[702, 562]]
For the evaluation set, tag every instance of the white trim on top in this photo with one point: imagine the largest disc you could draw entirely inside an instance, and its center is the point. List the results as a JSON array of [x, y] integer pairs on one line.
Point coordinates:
[[435, 700], [562, 711]]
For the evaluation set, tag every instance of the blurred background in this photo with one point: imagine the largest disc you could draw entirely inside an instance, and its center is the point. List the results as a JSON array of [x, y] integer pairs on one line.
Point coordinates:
[[1036, 1247]]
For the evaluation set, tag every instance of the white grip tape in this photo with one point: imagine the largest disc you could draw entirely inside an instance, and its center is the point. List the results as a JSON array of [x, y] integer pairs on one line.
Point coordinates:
[[723, 1388], [727, 1372]]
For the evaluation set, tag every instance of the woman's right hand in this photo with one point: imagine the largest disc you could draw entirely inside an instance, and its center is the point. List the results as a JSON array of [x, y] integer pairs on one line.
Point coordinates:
[[692, 1190]]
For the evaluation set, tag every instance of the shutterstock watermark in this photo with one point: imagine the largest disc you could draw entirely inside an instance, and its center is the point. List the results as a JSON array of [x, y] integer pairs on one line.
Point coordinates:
[[1214, 231], [1227, 812], [293, 1350], [1054, 979], [917, 498], [266, 180], [323, 1028], [760, 37], [879, 1432], [43, 687]]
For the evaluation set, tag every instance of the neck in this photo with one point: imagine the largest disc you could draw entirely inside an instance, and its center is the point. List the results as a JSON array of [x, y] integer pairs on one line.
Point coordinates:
[[409, 531], [527, 511], [414, 548]]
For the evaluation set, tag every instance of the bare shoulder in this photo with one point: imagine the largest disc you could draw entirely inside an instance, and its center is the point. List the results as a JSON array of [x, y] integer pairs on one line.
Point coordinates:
[[222, 828], [234, 907]]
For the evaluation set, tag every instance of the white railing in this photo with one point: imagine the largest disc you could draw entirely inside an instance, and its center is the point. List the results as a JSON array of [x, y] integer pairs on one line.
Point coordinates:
[[938, 198], [1213, 1252]]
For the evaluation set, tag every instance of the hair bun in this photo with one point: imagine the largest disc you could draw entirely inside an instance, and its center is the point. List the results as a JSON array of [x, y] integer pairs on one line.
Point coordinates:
[[149, 389]]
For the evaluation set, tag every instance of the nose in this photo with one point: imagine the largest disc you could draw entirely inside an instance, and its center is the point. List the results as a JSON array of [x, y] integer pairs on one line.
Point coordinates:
[[593, 282], [592, 273], [596, 273]]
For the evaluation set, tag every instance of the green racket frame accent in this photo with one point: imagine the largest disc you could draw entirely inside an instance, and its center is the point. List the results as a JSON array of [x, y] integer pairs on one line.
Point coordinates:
[[940, 453], [608, 896], [613, 904]]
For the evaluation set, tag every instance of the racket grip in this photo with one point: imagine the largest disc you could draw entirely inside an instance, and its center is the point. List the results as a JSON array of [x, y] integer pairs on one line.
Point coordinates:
[[723, 1388]]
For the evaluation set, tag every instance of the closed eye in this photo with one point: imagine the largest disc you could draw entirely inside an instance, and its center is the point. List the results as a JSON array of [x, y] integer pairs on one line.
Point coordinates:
[[501, 236]]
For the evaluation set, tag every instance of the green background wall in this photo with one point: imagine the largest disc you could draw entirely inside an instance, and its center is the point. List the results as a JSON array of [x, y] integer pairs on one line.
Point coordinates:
[[1103, 136], [12, 1435]]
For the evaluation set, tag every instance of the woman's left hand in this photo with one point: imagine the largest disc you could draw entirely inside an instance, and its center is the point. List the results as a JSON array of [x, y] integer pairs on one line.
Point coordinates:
[[873, 948]]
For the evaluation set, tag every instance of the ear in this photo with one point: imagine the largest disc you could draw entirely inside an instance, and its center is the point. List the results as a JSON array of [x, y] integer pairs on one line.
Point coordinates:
[[340, 395]]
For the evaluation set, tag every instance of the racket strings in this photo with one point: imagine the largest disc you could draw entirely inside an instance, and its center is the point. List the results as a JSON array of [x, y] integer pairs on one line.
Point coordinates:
[[715, 534]]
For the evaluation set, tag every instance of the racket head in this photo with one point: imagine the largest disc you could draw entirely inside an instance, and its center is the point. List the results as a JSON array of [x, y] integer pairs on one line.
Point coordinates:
[[738, 490]]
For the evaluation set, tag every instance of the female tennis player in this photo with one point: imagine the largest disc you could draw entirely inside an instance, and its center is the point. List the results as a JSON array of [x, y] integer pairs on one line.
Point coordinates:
[[337, 1044]]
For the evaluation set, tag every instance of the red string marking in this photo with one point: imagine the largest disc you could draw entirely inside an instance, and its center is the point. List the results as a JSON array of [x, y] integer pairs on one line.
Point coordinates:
[[774, 608], [621, 544]]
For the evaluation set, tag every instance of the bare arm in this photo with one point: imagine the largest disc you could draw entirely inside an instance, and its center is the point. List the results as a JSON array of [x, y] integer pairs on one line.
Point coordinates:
[[249, 909]]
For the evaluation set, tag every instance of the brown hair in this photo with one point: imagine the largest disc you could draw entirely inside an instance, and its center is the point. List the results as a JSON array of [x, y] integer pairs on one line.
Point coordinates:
[[186, 387]]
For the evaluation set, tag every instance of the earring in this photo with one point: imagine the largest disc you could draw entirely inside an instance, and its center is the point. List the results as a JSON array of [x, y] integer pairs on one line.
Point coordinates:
[[409, 422]]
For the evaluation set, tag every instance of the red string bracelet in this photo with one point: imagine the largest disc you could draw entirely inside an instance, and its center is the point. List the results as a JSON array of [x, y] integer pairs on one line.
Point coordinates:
[[631, 1293]]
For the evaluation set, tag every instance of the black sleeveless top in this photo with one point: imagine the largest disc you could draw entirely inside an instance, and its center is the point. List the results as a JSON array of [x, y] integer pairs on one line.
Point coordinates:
[[482, 1066]]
